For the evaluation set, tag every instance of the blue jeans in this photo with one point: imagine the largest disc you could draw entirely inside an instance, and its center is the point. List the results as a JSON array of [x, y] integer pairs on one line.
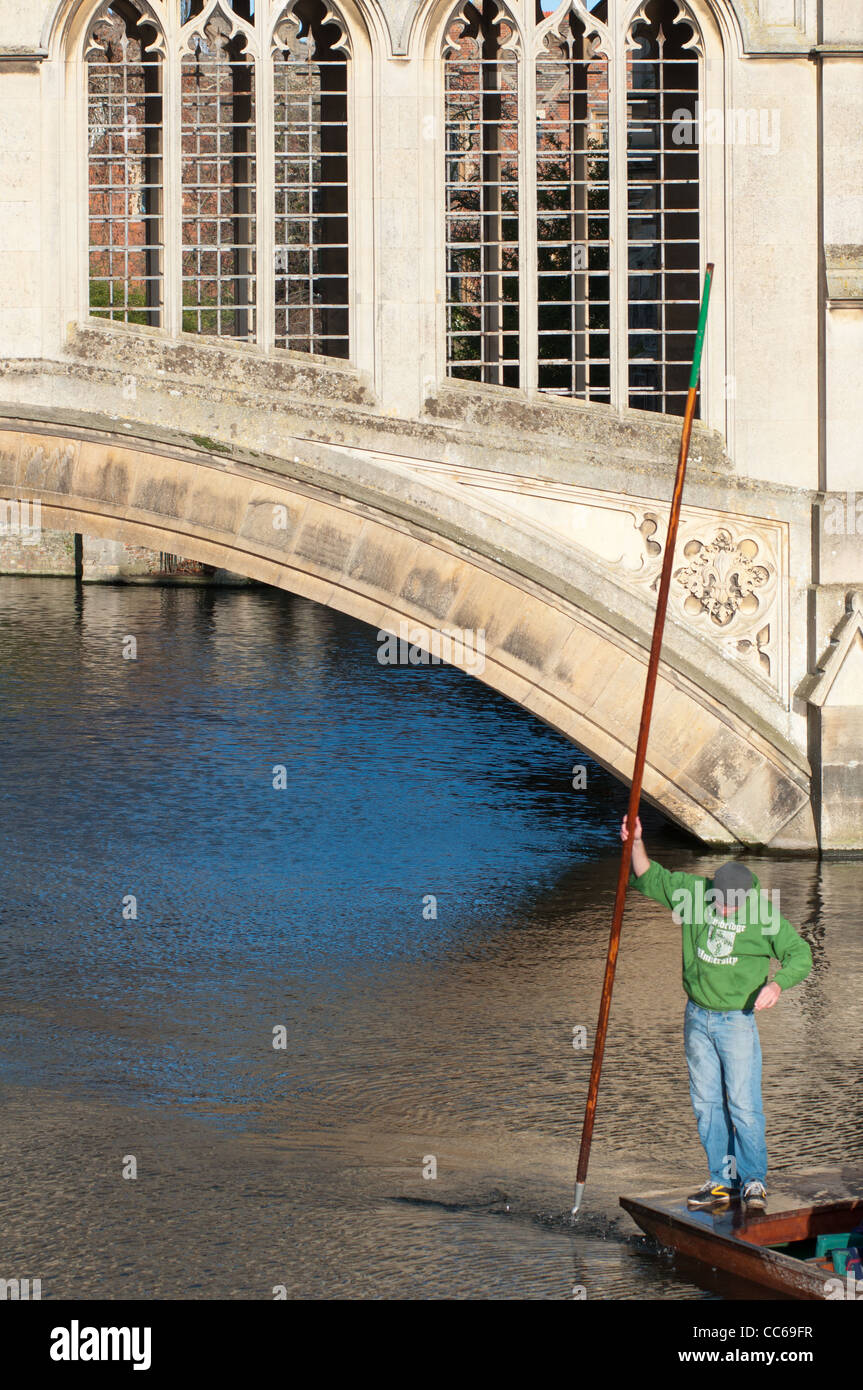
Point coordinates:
[[723, 1053]]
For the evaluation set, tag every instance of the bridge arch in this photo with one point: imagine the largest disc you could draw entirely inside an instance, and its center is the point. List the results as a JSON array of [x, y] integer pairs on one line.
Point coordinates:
[[404, 562]]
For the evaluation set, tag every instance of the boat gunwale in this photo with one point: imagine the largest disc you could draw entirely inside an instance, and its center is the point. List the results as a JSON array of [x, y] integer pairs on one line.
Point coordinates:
[[786, 1272]]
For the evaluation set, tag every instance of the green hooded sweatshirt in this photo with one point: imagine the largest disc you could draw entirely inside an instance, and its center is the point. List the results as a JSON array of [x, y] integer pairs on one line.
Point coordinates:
[[726, 960]]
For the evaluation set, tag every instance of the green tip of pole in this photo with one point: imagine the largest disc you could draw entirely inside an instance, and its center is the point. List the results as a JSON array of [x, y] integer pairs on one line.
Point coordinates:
[[702, 324]]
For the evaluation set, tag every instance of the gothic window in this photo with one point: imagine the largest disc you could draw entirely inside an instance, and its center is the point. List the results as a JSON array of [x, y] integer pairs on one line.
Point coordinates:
[[618, 199], [599, 234], [124, 136], [482, 188], [218, 169]]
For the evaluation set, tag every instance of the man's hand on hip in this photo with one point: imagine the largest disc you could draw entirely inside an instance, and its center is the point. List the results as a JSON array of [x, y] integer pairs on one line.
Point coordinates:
[[768, 995]]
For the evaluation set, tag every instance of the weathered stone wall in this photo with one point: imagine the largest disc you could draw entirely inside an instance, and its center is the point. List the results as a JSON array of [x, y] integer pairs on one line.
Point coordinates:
[[100, 559], [21, 23], [835, 693], [49, 552]]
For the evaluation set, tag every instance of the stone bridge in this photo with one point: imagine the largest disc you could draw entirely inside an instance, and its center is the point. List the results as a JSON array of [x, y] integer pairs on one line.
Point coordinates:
[[538, 525]]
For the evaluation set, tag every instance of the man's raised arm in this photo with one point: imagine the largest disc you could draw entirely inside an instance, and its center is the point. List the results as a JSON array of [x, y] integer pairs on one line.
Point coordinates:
[[675, 890], [640, 861]]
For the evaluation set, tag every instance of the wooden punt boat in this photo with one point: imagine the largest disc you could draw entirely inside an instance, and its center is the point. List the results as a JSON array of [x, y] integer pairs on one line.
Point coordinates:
[[764, 1250]]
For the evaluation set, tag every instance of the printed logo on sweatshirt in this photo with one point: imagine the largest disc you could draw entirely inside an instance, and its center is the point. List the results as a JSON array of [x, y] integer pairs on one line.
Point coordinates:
[[720, 940]]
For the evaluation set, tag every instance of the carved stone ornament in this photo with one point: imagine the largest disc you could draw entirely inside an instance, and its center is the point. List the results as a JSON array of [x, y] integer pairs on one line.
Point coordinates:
[[107, 30], [730, 590], [683, 16], [554, 34], [722, 577], [838, 680], [291, 42], [211, 31], [466, 15]]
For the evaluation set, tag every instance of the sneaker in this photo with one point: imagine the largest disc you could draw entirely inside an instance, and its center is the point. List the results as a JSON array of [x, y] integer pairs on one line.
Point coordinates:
[[755, 1196], [712, 1196]]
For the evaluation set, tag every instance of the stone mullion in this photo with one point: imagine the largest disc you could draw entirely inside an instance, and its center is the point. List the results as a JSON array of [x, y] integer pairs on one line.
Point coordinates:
[[79, 77]]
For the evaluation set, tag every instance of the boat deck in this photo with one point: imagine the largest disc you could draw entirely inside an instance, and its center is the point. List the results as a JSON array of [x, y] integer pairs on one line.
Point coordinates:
[[767, 1249]]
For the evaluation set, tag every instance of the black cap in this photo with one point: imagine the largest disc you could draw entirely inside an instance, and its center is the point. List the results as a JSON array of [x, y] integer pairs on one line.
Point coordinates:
[[733, 877]]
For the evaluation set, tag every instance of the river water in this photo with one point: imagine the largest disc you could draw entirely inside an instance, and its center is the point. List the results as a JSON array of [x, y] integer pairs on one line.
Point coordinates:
[[420, 916]]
